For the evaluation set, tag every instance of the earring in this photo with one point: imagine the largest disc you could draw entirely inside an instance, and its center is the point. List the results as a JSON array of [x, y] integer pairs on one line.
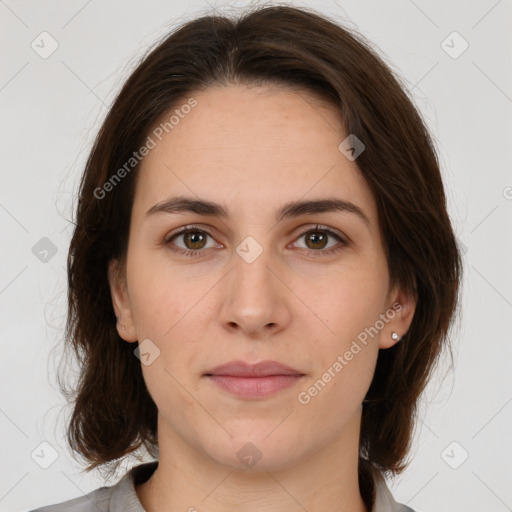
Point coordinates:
[[395, 336]]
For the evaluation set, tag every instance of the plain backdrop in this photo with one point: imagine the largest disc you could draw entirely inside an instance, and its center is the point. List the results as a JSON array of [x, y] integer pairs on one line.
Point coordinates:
[[455, 58]]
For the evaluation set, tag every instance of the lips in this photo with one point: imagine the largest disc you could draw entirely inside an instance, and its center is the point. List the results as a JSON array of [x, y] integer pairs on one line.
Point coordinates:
[[261, 369], [253, 381]]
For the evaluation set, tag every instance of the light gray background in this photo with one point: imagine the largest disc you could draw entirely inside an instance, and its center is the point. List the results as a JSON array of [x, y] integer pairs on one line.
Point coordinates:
[[51, 110]]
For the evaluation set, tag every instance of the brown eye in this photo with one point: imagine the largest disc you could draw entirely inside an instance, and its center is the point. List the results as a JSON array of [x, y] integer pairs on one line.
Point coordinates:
[[189, 241], [194, 239], [316, 239]]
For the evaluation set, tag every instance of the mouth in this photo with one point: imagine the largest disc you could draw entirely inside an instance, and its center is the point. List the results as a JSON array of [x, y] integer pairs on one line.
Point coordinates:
[[251, 381]]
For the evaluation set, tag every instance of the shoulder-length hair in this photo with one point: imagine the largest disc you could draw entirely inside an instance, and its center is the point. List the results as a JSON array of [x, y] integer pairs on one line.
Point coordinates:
[[113, 413]]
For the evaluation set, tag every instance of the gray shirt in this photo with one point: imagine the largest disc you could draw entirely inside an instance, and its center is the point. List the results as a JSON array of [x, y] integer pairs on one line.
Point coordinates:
[[122, 497]]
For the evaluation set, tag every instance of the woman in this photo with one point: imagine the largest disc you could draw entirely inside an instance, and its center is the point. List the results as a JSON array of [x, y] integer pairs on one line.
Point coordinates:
[[262, 275]]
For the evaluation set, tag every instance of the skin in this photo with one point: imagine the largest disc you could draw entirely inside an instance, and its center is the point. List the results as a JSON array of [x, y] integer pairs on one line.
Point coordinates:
[[254, 149]]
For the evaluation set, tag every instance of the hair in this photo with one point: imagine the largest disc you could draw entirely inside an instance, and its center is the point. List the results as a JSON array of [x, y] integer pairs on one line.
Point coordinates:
[[113, 413]]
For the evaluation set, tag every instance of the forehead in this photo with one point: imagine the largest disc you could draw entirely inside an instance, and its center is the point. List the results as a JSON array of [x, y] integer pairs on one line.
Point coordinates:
[[252, 146]]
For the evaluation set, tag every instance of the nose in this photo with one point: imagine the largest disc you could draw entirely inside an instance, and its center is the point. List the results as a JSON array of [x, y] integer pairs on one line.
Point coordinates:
[[255, 298]]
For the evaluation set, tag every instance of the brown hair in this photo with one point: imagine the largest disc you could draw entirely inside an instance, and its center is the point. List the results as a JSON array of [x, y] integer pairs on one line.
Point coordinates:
[[113, 413]]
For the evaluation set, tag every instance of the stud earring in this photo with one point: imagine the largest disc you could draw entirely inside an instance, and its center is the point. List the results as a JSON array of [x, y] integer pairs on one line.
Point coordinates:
[[395, 336]]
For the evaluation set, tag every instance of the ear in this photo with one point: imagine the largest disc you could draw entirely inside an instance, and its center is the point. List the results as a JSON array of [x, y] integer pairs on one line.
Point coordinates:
[[400, 312], [121, 301]]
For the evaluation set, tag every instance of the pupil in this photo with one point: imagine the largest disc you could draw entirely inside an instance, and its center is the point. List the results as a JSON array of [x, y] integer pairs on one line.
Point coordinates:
[[316, 238], [194, 238]]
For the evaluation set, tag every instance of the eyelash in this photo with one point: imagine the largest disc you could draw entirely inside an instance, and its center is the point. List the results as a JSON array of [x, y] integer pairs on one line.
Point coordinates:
[[192, 253]]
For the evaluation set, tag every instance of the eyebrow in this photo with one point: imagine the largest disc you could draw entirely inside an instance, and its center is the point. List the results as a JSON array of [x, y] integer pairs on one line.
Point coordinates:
[[289, 210]]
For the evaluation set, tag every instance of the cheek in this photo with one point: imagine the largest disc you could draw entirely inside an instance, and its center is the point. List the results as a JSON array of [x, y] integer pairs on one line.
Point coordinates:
[[159, 295], [343, 371], [347, 300], [165, 306], [333, 396], [346, 342]]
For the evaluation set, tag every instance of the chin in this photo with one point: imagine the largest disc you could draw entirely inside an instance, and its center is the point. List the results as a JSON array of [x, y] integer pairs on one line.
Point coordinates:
[[256, 453]]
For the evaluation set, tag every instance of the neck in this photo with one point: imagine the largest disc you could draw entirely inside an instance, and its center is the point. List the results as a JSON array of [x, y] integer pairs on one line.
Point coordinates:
[[187, 479]]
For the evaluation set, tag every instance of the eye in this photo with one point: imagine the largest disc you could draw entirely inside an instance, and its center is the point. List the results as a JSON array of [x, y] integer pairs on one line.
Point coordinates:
[[193, 238], [316, 240], [195, 241]]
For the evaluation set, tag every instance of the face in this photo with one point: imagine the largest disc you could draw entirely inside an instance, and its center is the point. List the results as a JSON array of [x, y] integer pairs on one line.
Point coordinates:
[[301, 288]]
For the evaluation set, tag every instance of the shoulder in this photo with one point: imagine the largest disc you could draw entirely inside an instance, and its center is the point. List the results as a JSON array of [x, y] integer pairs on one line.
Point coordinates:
[[120, 497], [95, 501]]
